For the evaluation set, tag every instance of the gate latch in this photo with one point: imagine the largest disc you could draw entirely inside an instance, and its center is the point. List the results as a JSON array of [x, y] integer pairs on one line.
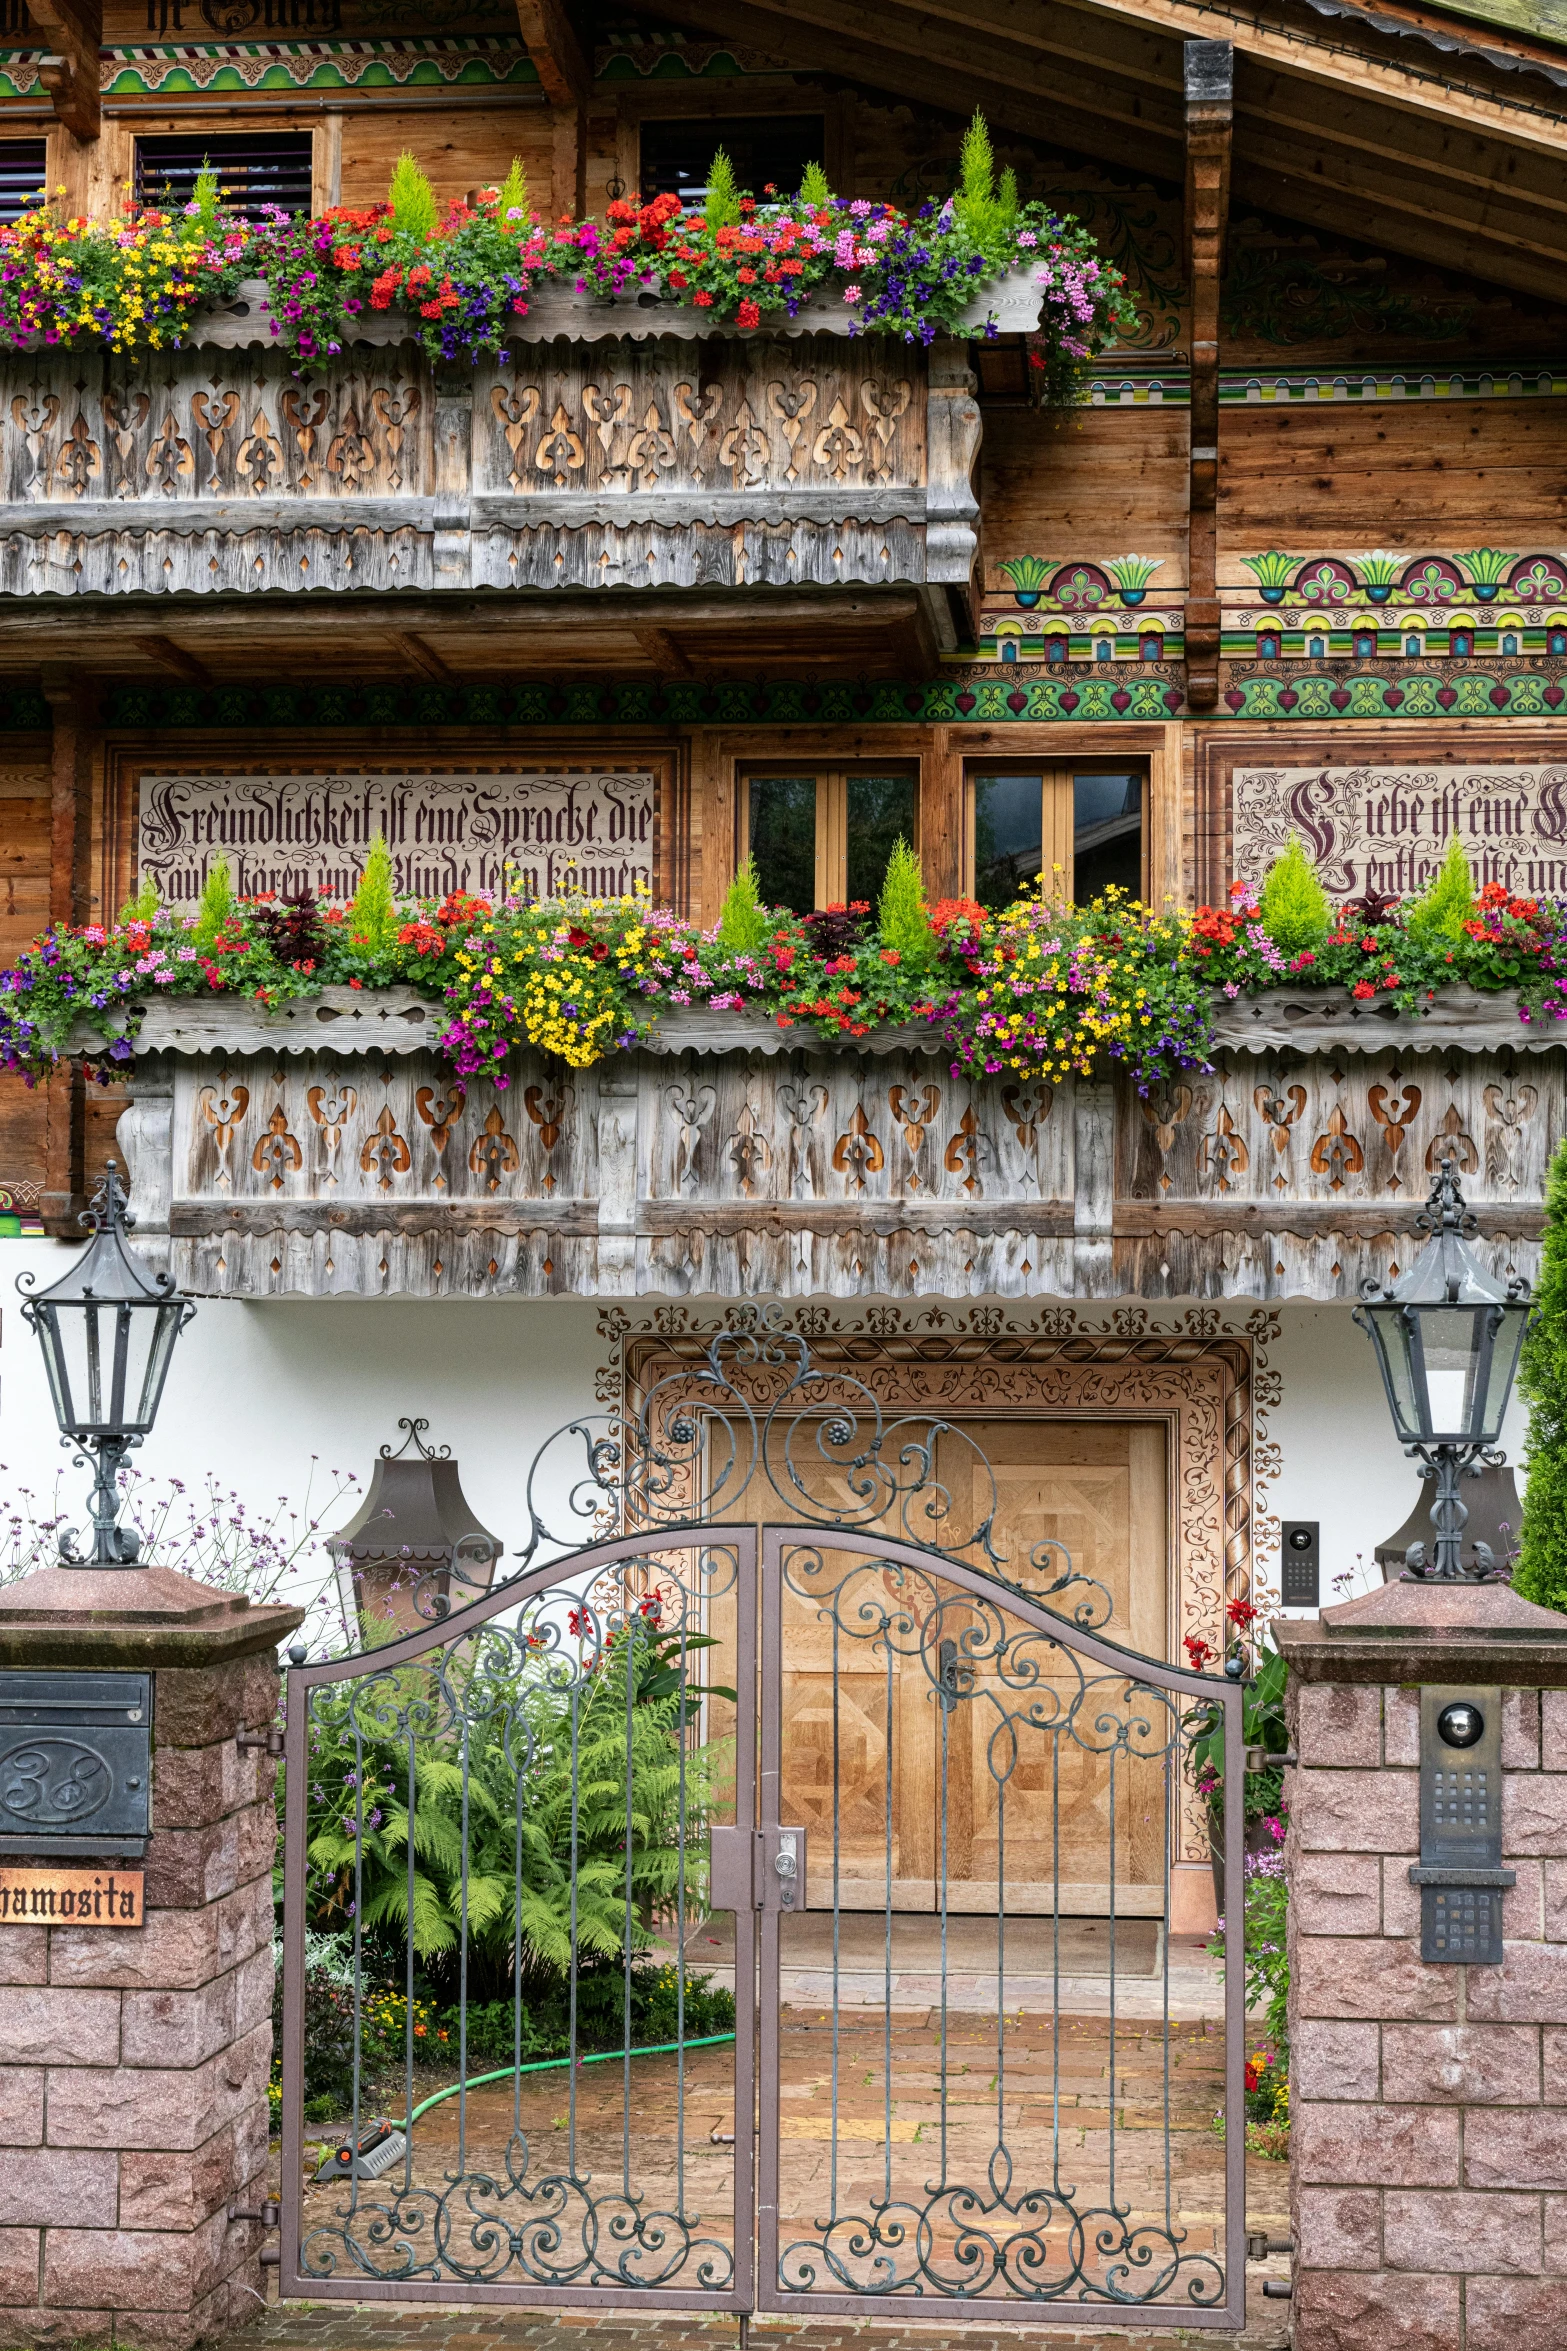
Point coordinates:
[[758, 1869]]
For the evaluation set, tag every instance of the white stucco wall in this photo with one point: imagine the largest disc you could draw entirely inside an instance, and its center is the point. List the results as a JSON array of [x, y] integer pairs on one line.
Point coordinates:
[[256, 1390]]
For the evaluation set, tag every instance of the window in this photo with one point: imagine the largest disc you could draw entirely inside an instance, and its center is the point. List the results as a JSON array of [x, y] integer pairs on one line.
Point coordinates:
[[1316, 648], [678, 156], [1414, 643], [1365, 644], [1268, 644], [822, 836], [24, 170], [1461, 642], [1083, 824], [253, 170], [1509, 640]]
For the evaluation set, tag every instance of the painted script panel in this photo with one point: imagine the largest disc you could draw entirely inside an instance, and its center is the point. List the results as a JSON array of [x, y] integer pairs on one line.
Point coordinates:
[[542, 832], [1386, 828], [45, 1896]]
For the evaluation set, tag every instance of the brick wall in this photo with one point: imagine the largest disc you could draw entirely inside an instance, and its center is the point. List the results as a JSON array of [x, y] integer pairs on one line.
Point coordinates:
[[134, 2062], [1429, 2178]]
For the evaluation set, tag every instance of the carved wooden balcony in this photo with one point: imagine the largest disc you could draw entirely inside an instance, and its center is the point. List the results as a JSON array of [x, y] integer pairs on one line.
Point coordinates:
[[623, 445], [326, 1151]]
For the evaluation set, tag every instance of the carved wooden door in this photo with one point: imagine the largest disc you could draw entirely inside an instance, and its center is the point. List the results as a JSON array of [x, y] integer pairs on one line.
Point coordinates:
[[906, 1790]]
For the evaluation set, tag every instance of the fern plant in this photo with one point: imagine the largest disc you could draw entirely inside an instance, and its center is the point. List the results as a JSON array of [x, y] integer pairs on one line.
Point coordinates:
[[1442, 910], [566, 1768], [744, 925], [1296, 913], [412, 200]]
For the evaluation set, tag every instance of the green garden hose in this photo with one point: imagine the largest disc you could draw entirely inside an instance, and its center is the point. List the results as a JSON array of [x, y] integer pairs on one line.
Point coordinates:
[[506, 2073]]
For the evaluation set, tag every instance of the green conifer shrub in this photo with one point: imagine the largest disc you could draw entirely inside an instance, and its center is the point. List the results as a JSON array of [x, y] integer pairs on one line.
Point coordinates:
[[1295, 911], [1541, 1571], [813, 186], [743, 925], [372, 911], [412, 200], [722, 202], [142, 904], [216, 903], [511, 205], [1441, 912], [902, 918]]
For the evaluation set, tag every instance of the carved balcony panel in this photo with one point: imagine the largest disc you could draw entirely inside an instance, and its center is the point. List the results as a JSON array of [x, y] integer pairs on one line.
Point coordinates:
[[616, 451], [326, 1151]]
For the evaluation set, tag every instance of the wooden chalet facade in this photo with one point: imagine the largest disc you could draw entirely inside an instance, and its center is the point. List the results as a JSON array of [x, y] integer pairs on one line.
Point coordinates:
[[700, 560]]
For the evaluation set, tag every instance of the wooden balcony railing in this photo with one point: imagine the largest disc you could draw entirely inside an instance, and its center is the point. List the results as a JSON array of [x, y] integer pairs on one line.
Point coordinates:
[[326, 1150]]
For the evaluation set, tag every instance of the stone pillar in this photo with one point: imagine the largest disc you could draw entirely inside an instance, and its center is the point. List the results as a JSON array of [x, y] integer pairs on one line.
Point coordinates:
[[134, 2061], [1429, 2101]]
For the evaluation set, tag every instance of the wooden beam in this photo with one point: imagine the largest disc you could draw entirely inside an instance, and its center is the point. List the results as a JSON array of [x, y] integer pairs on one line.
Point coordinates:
[[422, 657], [555, 52], [165, 654], [70, 847], [665, 655], [71, 75], [1210, 80]]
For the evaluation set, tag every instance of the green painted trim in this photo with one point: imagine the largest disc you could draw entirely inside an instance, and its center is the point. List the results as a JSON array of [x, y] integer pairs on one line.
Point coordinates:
[[169, 69]]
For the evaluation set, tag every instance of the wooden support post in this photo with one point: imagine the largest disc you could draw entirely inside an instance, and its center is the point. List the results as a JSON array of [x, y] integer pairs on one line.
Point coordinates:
[[70, 848], [1210, 81], [567, 80], [70, 74]]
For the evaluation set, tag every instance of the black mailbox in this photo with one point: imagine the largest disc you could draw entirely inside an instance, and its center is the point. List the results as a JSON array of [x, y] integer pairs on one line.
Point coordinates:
[[75, 1763]]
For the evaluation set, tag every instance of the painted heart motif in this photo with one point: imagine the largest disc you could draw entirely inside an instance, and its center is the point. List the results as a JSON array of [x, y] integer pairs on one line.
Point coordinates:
[[1339, 698], [966, 702], [1172, 697], [1120, 700], [1235, 698], [1288, 698], [1069, 701], [1017, 701], [914, 701], [1553, 697], [1501, 696], [1447, 696], [1392, 696]]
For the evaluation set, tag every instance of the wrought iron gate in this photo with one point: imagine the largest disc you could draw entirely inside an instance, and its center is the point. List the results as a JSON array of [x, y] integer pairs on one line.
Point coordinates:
[[574, 1815]]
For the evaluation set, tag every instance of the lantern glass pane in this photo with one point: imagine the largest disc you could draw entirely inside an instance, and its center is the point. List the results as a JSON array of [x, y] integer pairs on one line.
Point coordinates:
[[1512, 1321], [1391, 1332], [1454, 1344]]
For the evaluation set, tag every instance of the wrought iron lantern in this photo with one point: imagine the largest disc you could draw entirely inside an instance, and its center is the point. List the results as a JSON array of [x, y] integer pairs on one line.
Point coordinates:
[[411, 1538], [107, 1329], [1447, 1336]]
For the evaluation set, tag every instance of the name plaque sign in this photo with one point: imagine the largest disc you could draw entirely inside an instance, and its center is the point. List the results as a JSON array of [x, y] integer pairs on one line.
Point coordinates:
[[542, 832], [1387, 828], [71, 1897]]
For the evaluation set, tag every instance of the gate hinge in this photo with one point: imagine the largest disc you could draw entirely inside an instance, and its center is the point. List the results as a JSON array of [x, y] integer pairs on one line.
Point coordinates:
[[1264, 1759], [1259, 2244], [270, 1739], [270, 2215]]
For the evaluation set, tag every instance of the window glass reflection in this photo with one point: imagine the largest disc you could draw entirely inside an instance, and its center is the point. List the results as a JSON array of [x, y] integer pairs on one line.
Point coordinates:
[[782, 834], [880, 812], [1107, 835], [1008, 840]]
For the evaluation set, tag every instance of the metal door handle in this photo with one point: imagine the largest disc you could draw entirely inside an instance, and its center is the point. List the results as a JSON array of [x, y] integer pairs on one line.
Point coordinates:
[[787, 1853]]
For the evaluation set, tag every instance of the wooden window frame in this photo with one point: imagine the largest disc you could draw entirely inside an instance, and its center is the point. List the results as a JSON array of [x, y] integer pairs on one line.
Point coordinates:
[[1057, 827], [832, 811]]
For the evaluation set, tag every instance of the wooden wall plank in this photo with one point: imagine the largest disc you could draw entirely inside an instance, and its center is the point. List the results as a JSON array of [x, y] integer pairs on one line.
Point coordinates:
[[1110, 481]]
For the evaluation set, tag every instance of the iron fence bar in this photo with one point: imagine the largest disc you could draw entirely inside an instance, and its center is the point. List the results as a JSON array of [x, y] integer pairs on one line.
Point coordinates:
[[1232, 1700], [408, 1969], [296, 1817], [768, 1794], [750, 1722]]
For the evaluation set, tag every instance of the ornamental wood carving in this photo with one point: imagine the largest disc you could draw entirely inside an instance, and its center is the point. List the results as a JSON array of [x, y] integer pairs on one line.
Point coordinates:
[[302, 1165], [652, 462]]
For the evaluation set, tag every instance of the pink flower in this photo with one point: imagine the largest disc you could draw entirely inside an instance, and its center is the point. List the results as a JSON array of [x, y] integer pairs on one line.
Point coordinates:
[[851, 293]]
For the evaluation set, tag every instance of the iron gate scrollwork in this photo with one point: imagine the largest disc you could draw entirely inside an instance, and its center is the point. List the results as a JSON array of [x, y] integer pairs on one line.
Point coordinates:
[[950, 2074]]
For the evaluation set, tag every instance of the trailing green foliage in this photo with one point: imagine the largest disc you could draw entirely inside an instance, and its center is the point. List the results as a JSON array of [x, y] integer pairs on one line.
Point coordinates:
[[903, 919], [1541, 1572], [744, 925], [412, 199], [1442, 911], [216, 904], [1295, 911], [721, 205], [373, 919]]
